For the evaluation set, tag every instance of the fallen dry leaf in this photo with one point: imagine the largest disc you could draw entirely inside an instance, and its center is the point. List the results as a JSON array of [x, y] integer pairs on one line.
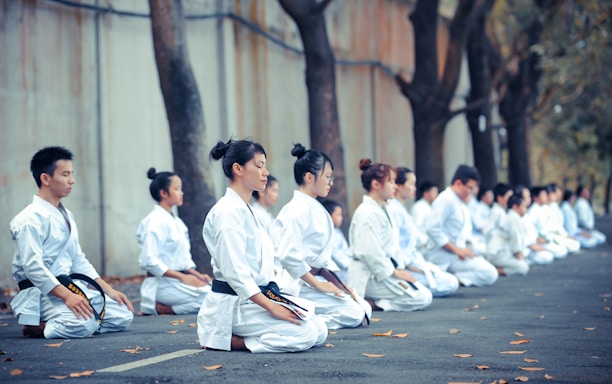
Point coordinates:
[[589, 328], [540, 317], [482, 366], [8, 359], [374, 320], [399, 335], [502, 381], [531, 360], [574, 312], [483, 318], [606, 308], [372, 355], [212, 367], [462, 355], [174, 322], [388, 333], [521, 341], [513, 352], [135, 350], [332, 332], [329, 345], [82, 374], [453, 331], [538, 294], [16, 372], [518, 334], [3, 324], [192, 325], [531, 368], [56, 377], [55, 345], [548, 377], [2, 352], [173, 332], [521, 378]]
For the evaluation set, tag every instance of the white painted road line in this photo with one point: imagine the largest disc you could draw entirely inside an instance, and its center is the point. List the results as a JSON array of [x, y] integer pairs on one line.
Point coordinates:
[[151, 360]]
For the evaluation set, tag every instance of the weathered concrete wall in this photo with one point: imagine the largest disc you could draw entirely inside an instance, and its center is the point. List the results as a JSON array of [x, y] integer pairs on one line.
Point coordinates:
[[88, 81]]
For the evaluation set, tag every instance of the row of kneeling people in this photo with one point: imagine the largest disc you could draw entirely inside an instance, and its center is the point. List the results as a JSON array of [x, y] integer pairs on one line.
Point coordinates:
[[394, 262]]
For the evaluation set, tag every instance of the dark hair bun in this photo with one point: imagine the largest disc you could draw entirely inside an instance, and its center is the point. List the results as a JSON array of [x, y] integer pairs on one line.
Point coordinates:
[[298, 150], [219, 150], [151, 173], [365, 164]]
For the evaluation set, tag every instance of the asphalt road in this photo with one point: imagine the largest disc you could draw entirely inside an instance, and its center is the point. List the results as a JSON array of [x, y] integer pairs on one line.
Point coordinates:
[[558, 316]]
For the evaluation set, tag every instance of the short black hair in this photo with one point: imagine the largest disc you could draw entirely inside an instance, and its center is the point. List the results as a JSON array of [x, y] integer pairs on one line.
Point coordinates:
[[514, 200], [466, 173], [45, 161]]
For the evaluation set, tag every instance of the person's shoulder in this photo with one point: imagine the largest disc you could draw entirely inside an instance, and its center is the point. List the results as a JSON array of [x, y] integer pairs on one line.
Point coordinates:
[[29, 215]]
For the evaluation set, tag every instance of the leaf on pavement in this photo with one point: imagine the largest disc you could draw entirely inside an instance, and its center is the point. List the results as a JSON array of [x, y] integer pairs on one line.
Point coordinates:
[[531, 368], [329, 345], [452, 331], [606, 308], [462, 355], [590, 328], [82, 374], [521, 378], [57, 377], [173, 331], [192, 325], [388, 333], [174, 322], [8, 359], [135, 350], [518, 334], [373, 355], [540, 317], [548, 377], [521, 341], [574, 312], [513, 352], [502, 381], [375, 320], [212, 367], [483, 318], [527, 360], [399, 335], [16, 372], [332, 332], [481, 367], [538, 294], [3, 324], [55, 345]]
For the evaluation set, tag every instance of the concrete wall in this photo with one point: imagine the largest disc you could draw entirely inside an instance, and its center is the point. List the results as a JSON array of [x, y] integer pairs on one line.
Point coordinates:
[[88, 81]]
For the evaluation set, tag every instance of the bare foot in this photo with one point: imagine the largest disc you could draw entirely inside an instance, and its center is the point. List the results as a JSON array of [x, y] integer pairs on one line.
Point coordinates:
[[35, 331], [373, 305], [163, 309], [238, 343]]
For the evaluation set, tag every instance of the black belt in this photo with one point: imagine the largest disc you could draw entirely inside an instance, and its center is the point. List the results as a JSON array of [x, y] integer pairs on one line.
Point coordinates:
[[67, 281], [271, 291]]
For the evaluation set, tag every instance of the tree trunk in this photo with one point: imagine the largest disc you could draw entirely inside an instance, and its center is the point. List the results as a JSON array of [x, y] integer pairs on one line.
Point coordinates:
[[428, 95], [186, 120], [607, 194], [324, 125], [480, 83]]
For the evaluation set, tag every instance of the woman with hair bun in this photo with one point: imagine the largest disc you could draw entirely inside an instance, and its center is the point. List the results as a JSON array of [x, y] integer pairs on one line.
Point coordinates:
[[243, 310], [305, 245], [379, 272], [173, 285]]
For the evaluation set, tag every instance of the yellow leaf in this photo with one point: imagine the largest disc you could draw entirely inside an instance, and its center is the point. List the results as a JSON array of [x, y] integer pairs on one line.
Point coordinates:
[[374, 320], [388, 333], [133, 351], [521, 378], [329, 345], [589, 329], [548, 377], [531, 368], [521, 341], [212, 367], [513, 352], [192, 325], [462, 355], [81, 374], [56, 345], [373, 355], [399, 335], [16, 372], [453, 331], [56, 377], [518, 334], [482, 366], [173, 332], [531, 360]]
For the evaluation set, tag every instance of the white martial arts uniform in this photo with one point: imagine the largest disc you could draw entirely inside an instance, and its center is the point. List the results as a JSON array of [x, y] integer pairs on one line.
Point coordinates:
[[242, 255], [550, 227], [451, 223], [504, 241], [164, 244], [440, 283], [586, 219], [341, 253], [570, 223], [530, 236], [375, 245], [421, 214], [479, 215], [305, 242], [45, 247], [268, 221]]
